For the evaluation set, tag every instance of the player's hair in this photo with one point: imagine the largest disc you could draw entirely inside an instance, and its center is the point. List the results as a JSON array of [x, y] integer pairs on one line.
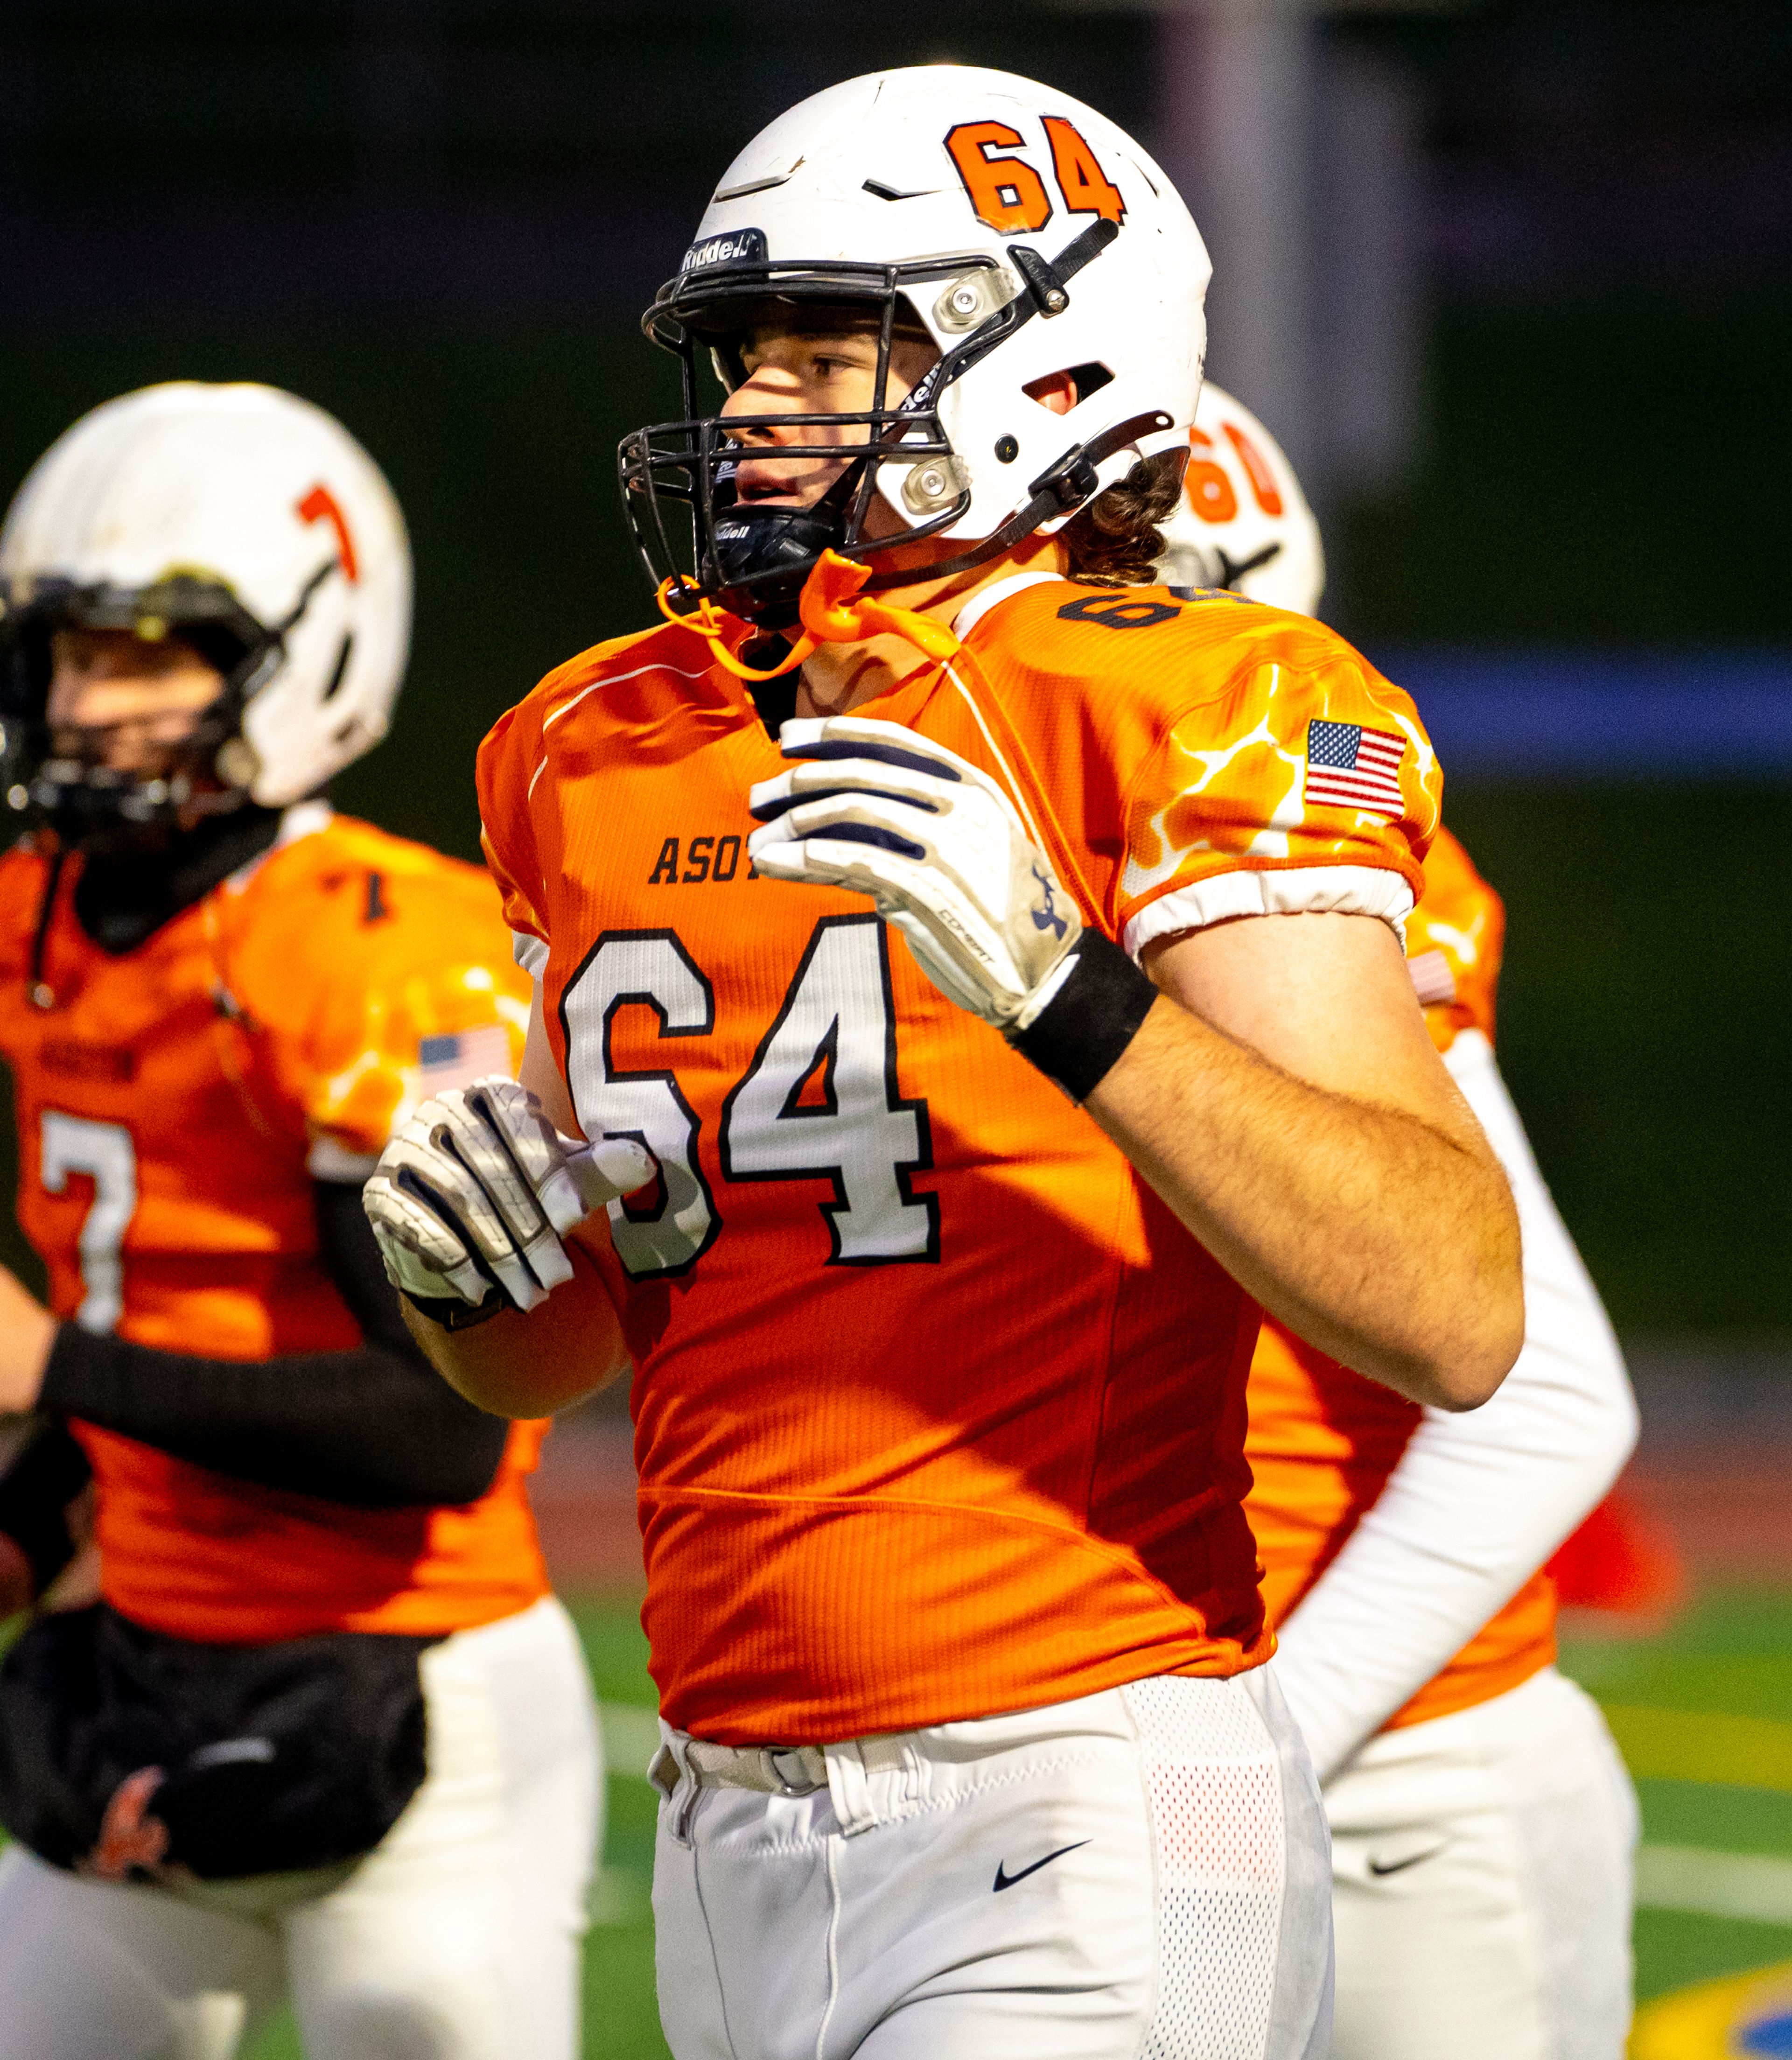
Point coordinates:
[[1115, 540]]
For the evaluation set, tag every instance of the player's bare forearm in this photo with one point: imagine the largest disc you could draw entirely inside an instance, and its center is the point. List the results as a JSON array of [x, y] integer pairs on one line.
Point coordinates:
[[1341, 1180], [533, 1365]]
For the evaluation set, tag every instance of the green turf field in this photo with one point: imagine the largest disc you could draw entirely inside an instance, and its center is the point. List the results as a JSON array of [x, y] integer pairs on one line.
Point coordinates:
[[1723, 1789], [1715, 1793]]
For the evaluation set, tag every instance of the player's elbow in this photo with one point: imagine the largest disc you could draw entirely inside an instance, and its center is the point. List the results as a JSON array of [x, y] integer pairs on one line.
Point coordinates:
[[1477, 1312], [1454, 1362], [1485, 1337], [1472, 1377]]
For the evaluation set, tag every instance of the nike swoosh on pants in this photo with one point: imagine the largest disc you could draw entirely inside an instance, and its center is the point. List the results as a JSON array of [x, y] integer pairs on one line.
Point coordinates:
[[1003, 1879]]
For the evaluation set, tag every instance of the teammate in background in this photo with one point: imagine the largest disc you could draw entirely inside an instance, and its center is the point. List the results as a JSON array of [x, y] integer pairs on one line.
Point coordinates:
[[325, 1734], [1482, 1822], [939, 1366]]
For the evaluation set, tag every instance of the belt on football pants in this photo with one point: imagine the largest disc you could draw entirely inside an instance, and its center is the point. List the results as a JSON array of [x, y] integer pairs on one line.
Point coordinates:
[[794, 1769], [769, 1770]]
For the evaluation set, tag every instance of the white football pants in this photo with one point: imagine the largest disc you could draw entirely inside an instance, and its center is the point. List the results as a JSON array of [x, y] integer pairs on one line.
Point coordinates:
[[1135, 1875], [457, 1938], [1481, 1885]]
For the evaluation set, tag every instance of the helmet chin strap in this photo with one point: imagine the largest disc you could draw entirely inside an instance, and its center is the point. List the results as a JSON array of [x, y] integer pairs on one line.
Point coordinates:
[[1060, 489]]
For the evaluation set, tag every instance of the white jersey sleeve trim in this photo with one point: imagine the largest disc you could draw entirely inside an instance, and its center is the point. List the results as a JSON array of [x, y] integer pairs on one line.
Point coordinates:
[[1346, 890], [979, 605], [303, 818], [530, 952], [1478, 1501], [328, 1160]]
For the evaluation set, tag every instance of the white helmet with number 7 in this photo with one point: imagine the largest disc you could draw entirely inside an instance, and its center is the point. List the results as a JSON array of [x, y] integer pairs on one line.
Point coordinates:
[[249, 523], [1021, 233], [1243, 522]]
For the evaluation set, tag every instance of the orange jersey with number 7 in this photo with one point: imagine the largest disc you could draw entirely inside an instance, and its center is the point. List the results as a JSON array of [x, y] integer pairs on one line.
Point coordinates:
[[175, 1104], [1323, 1440], [939, 1411]]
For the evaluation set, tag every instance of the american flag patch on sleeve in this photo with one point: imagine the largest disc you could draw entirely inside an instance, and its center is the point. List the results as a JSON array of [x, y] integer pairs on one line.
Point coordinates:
[[1350, 767], [466, 1055]]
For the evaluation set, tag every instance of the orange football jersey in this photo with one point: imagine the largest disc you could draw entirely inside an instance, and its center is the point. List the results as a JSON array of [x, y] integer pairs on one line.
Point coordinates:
[[1323, 1440], [939, 1411], [173, 1104]]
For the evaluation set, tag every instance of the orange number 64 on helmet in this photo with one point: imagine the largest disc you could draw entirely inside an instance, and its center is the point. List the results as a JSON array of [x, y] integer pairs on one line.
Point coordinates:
[[1006, 192], [1086, 187], [1008, 195]]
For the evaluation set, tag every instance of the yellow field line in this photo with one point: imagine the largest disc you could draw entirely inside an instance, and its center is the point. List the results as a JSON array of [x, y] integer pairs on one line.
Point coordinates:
[[1695, 1745], [1701, 2022]]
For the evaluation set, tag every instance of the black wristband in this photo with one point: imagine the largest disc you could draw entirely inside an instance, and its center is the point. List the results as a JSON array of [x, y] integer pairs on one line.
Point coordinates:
[[451, 1314], [1095, 1013]]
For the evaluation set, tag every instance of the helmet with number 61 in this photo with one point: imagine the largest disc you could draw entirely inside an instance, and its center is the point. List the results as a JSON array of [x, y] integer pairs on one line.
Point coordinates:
[[1019, 233], [1243, 521], [248, 525]]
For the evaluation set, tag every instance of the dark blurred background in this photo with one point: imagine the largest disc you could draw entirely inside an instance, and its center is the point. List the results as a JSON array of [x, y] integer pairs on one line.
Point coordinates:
[[1513, 282]]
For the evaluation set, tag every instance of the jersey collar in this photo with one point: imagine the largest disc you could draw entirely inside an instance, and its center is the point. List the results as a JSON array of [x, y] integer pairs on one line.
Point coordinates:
[[979, 604], [303, 818]]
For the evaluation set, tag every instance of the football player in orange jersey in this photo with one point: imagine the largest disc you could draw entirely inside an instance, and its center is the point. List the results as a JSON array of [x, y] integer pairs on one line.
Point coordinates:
[[1482, 1822], [933, 1303], [325, 1733]]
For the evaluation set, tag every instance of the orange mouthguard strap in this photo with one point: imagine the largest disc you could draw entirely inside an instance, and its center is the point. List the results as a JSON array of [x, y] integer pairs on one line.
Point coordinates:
[[832, 611], [711, 623]]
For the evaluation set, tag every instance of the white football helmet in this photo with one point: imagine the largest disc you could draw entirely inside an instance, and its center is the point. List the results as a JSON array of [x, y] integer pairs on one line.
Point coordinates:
[[1023, 232], [1243, 522], [244, 520]]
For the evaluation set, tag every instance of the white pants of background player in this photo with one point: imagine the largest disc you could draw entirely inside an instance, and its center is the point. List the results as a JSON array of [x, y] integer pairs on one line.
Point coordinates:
[[1481, 1872], [1140, 1874], [457, 1938]]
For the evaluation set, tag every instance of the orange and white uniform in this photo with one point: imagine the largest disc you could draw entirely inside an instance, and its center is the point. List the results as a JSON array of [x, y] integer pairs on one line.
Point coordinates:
[[1481, 1820], [938, 1410], [179, 1105], [175, 1105]]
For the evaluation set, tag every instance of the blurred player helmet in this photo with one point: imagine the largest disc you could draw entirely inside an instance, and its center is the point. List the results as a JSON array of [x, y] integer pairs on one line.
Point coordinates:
[[1023, 232], [1243, 521], [248, 522]]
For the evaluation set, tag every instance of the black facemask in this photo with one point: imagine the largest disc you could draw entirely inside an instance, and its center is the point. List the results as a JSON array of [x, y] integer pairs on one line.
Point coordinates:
[[697, 542]]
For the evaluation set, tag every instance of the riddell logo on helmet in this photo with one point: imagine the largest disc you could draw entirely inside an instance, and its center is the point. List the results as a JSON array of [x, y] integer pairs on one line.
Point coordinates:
[[742, 246]]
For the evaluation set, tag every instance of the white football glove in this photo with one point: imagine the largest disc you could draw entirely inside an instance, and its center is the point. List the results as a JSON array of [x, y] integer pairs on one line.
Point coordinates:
[[936, 844], [475, 1191]]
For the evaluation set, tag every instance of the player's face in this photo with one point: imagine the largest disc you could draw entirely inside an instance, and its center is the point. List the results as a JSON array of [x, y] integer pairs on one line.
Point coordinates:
[[790, 372], [124, 701]]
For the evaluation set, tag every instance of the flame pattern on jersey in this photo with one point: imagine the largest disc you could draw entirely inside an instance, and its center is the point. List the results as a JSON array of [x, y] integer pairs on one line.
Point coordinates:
[[1323, 1440], [938, 1410], [1227, 794], [174, 1105]]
